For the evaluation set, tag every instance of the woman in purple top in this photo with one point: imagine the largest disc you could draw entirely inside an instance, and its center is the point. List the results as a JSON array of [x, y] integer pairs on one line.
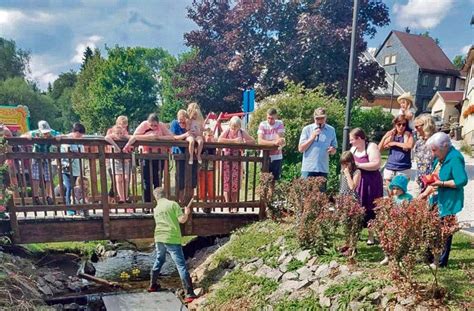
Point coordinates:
[[399, 141], [367, 158]]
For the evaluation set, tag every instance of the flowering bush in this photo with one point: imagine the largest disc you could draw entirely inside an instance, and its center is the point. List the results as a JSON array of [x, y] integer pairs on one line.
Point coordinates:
[[317, 223], [468, 111], [407, 232], [350, 215]]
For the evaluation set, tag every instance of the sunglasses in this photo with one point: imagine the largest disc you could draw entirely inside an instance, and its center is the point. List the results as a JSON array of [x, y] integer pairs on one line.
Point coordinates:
[[419, 125], [401, 124]]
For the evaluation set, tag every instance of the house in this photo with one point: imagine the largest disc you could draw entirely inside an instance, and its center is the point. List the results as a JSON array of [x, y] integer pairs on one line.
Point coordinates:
[[467, 112], [418, 65], [446, 105]]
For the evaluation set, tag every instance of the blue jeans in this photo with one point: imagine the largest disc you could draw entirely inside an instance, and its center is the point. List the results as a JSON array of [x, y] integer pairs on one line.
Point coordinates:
[[68, 183], [176, 252]]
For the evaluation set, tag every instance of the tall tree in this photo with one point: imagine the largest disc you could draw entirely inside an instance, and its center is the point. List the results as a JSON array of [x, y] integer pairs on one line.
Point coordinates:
[[264, 43], [13, 61], [88, 53], [61, 93], [458, 61], [82, 98], [17, 91], [122, 84]]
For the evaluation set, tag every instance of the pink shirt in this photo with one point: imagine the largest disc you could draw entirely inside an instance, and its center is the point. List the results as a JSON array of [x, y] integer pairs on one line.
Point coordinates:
[[272, 132], [145, 129]]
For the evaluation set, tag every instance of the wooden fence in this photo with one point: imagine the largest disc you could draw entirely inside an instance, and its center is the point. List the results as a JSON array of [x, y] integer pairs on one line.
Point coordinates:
[[37, 179]]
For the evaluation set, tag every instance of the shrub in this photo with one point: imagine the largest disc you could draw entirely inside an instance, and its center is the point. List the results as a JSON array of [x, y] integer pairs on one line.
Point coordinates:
[[407, 232], [374, 121], [350, 215], [317, 224], [273, 195], [295, 108]]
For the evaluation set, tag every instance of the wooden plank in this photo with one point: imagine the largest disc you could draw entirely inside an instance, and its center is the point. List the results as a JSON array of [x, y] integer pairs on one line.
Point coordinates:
[[122, 228], [103, 190], [159, 301], [16, 235]]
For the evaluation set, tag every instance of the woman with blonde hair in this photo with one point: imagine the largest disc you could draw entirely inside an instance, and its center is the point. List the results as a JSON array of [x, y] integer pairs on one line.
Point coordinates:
[[425, 128], [195, 127]]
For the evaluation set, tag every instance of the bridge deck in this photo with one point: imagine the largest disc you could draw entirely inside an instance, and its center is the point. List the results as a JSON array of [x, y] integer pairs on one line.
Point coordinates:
[[32, 220]]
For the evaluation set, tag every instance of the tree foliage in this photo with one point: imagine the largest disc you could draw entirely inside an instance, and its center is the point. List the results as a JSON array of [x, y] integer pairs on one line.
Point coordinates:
[[295, 108], [61, 93], [82, 96], [459, 61], [13, 61], [17, 91], [264, 43]]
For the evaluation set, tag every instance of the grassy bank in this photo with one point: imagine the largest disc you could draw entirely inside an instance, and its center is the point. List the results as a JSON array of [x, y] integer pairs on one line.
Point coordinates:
[[244, 290]]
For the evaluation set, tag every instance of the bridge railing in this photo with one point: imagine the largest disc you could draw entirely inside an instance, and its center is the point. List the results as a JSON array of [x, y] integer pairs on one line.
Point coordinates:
[[37, 178]]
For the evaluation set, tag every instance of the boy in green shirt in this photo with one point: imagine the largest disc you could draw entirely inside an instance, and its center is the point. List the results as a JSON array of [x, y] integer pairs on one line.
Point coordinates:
[[168, 215]]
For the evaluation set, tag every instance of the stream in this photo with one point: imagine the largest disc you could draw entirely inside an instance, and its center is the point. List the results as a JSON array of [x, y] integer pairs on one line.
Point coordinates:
[[129, 267]]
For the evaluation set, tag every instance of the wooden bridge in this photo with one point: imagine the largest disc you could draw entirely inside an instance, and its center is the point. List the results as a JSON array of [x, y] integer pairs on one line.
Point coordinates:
[[32, 219]]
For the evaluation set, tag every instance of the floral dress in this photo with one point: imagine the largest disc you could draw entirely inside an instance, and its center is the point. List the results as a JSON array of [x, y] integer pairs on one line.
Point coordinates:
[[231, 169], [423, 159]]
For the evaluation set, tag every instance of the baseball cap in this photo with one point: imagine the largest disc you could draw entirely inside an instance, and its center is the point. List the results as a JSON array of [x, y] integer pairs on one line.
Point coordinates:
[[320, 113], [43, 126]]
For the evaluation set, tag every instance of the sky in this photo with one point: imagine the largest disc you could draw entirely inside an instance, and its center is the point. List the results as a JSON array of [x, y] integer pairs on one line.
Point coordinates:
[[56, 32]]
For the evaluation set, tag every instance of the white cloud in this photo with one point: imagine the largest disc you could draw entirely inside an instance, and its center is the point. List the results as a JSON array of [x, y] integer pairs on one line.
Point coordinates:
[[81, 47], [42, 70], [465, 49], [422, 14], [12, 17], [372, 50]]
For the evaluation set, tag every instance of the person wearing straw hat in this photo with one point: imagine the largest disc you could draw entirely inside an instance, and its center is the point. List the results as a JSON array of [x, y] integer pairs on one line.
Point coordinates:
[[407, 107]]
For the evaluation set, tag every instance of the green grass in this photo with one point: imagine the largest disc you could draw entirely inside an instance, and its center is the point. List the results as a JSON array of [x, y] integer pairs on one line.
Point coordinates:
[[82, 248], [294, 265], [354, 288], [466, 148], [238, 285], [257, 240], [307, 304]]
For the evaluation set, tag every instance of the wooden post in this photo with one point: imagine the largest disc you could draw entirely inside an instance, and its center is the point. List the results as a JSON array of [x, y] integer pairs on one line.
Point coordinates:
[[13, 221], [103, 191], [265, 169], [188, 188]]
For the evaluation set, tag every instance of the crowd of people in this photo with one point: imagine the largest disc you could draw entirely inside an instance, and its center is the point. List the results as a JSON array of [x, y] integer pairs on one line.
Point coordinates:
[[439, 172]]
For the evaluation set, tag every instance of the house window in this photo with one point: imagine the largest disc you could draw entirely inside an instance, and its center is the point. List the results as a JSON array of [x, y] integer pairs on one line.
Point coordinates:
[[386, 60], [393, 59], [426, 101], [425, 80], [437, 81], [389, 42], [448, 82]]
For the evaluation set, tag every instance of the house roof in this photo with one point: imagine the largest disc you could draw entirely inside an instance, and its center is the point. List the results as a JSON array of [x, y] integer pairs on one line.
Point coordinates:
[[426, 53], [451, 96], [389, 79], [447, 96]]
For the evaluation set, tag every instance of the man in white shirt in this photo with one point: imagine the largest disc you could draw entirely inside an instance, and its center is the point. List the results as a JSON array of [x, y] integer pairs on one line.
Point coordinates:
[[271, 133]]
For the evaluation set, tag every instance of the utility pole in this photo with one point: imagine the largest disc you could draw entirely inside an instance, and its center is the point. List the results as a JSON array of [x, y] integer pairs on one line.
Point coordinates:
[[350, 87]]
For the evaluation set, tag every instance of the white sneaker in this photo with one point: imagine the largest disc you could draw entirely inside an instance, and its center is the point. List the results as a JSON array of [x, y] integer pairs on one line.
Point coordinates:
[[384, 261], [433, 266]]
